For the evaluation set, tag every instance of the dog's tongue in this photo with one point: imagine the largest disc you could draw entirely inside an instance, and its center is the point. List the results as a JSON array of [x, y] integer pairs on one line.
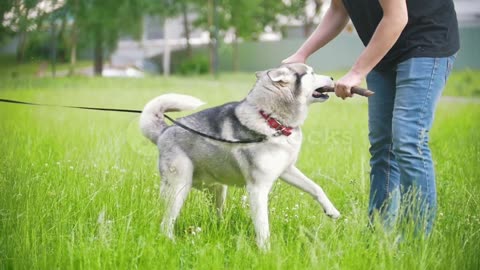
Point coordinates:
[[318, 94]]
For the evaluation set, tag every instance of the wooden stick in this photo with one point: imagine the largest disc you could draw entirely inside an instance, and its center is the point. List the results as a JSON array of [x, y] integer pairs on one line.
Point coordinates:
[[355, 90]]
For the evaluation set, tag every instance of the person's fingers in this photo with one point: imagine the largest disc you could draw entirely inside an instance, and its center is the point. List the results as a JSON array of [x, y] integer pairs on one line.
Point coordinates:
[[293, 59], [288, 60], [339, 90], [348, 92], [343, 91]]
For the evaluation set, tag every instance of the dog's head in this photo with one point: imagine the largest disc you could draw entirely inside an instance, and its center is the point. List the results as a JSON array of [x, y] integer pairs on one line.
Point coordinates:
[[289, 89], [296, 81]]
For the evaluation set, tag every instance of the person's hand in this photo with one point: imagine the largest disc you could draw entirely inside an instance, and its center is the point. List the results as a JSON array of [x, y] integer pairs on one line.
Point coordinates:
[[344, 85], [294, 58]]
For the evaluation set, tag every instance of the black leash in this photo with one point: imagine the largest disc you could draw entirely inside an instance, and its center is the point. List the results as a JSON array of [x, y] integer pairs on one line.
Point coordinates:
[[133, 111], [72, 107]]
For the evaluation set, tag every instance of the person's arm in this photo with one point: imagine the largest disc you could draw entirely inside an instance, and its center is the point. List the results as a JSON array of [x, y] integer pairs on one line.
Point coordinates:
[[331, 25], [394, 20]]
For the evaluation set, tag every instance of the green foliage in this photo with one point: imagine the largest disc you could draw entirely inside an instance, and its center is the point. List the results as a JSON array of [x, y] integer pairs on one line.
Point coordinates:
[[38, 47], [108, 19], [163, 8], [247, 18], [9, 68], [297, 8], [79, 189], [197, 65], [4, 30], [25, 14], [242, 16], [464, 83]]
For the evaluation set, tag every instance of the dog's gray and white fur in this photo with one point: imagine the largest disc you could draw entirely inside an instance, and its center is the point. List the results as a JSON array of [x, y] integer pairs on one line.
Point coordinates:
[[189, 160]]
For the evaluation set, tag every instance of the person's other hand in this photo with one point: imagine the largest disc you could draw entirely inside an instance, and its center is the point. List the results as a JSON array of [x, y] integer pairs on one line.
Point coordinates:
[[294, 58], [344, 85]]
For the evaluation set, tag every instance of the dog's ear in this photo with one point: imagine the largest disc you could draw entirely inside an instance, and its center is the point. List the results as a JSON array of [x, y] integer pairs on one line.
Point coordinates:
[[259, 74], [280, 75]]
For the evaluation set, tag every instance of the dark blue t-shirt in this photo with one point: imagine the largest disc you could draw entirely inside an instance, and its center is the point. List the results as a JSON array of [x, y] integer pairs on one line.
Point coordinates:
[[432, 29]]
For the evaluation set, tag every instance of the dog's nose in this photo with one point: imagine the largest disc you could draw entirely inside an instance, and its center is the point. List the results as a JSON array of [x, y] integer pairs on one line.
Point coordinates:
[[331, 78]]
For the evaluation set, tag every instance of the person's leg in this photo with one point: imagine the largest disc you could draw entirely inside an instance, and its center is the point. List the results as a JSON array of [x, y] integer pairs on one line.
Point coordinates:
[[384, 175], [419, 85]]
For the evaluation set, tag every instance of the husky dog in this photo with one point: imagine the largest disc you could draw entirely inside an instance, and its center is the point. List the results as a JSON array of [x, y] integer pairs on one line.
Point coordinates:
[[249, 143]]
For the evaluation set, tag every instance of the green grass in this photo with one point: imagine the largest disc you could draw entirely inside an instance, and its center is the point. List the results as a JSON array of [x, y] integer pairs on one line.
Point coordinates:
[[9, 68], [464, 83], [79, 189]]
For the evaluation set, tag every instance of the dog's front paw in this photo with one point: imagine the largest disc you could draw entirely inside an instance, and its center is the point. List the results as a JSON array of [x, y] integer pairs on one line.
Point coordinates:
[[332, 212], [167, 230]]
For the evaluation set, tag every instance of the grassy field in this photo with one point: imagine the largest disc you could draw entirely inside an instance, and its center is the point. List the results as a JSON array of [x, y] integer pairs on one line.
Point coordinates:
[[79, 189]]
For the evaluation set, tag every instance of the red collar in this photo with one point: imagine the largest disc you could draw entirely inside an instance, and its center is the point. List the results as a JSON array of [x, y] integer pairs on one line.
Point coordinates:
[[275, 124]]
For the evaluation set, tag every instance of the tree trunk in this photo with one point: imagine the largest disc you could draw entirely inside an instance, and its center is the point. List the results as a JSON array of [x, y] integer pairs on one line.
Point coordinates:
[[216, 27], [53, 47], [211, 45], [22, 37], [98, 52], [166, 50], [235, 59], [73, 49], [61, 37], [73, 41], [186, 29], [308, 23], [21, 46]]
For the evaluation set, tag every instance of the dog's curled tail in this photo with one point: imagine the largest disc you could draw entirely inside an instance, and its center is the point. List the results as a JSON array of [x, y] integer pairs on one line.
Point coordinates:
[[152, 121]]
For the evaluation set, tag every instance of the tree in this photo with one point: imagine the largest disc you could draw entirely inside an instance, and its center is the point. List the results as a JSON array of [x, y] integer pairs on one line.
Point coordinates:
[[4, 9], [242, 16], [208, 21], [300, 10], [166, 9], [103, 21], [22, 17], [73, 10], [186, 26], [245, 20]]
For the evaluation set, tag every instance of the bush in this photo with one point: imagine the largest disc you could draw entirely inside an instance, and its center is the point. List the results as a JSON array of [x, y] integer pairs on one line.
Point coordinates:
[[38, 47], [194, 66]]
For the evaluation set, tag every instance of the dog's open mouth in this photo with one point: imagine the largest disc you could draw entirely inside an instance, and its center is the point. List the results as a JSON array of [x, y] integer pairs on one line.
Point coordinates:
[[320, 93]]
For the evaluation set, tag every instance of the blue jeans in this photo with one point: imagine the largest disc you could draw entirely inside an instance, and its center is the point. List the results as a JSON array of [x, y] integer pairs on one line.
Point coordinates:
[[402, 178]]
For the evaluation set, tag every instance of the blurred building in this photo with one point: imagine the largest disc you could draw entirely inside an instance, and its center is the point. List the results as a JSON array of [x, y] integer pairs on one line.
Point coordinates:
[[158, 35]]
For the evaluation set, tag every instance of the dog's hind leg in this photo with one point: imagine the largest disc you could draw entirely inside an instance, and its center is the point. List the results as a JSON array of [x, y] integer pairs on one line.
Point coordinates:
[[295, 177], [176, 184], [219, 193]]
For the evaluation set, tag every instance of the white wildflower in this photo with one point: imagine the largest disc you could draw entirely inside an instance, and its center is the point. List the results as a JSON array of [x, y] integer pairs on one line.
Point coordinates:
[[244, 201]]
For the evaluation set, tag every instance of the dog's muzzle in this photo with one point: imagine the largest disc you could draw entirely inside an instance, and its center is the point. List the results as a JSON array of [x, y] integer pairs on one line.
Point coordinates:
[[320, 93]]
